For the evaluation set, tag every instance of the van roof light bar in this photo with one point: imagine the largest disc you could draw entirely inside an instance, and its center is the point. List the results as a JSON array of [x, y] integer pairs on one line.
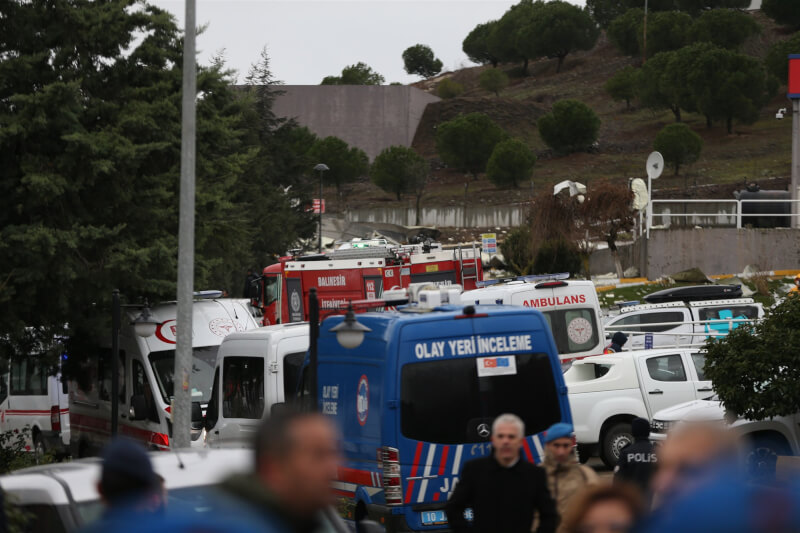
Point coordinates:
[[532, 278], [207, 295]]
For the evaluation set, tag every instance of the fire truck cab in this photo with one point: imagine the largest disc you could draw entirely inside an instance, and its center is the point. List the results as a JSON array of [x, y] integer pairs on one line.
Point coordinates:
[[571, 308], [360, 270]]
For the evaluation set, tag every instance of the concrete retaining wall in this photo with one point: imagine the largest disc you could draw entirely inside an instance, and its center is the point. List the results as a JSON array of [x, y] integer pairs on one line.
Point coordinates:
[[444, 217], [721, 250], [371, 117]]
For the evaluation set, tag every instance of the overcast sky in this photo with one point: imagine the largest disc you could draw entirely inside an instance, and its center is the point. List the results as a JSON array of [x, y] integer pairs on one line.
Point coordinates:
[[308, 40]]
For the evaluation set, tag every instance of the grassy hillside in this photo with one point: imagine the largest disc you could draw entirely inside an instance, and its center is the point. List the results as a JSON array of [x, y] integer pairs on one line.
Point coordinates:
[[761, 151]]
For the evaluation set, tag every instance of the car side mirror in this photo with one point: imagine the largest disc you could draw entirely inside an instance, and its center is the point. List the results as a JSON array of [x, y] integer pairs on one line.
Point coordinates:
[[138, 409]]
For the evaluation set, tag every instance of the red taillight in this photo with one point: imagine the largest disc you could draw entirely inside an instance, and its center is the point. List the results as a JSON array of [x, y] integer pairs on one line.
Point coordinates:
[[55, 418], [160, 441], [389, 463]]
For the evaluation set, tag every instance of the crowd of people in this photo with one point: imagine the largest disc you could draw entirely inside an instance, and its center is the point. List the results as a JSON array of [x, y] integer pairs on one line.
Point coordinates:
[[690, 483]]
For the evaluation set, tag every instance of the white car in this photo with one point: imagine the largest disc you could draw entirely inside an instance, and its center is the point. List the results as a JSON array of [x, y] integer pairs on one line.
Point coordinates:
[[63, 497], [765, 439], [607, 392]]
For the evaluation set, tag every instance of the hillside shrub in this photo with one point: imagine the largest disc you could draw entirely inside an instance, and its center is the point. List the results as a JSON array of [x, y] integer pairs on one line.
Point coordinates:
[[511, 162], [448, 88], [571, 126], [679, 145], [493, 80]]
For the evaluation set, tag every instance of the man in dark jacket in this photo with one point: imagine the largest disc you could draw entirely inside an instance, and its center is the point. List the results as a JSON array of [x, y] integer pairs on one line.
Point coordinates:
[[502, 489], [617, 342], [296, 460], [637, 461]]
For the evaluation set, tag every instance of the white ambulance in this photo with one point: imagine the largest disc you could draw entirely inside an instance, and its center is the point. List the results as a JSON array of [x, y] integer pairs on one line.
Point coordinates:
[[146, 369], [255, 370], [33, 400], [571, 308]]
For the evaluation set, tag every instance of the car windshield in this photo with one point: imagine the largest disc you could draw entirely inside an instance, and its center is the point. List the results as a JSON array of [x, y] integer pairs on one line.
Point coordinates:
[[450, 393], [574, 330], [203, 361]]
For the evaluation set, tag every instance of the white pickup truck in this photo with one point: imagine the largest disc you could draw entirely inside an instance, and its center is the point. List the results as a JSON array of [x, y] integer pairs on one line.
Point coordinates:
[[606, 392]]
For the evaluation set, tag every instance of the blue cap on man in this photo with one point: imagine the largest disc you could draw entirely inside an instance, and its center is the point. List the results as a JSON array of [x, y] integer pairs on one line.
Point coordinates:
[[558, 431], [129, 458]]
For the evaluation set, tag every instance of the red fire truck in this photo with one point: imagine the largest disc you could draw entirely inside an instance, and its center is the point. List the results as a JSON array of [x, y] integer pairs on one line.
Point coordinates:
[[361, 270]]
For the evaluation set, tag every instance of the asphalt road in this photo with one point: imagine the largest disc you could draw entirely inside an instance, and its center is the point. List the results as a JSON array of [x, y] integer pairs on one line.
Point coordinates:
[[601, 469]]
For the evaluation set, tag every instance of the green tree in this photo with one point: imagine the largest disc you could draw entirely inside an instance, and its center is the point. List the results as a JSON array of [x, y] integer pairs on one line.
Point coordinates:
[[557, 255], [666, 30], [624, 31], [518, 251], [90, 132], [605, 12], [622, 85], [556, 29], [395, 170], [755, 369], [571, 126], [695, 7], [275, 183], [476, 44], [730, 86], [345, 163], [777, 58], [510, 163], [419, 59], [448, 88], [679, 145], [467, 141], [783, 12], [662, 81], [726, 28], [503, 39], [358, 74], [493, 80]]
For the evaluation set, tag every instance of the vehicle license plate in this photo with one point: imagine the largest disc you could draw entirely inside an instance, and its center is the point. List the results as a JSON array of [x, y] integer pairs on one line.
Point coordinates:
[[430, 518]]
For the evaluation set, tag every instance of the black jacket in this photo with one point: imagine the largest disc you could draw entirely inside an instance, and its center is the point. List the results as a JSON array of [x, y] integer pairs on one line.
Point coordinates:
[[502, 499], [637, 463]]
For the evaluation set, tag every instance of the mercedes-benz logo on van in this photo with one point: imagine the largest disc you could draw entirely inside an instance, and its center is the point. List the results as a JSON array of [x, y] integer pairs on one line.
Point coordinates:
[[484, 431]]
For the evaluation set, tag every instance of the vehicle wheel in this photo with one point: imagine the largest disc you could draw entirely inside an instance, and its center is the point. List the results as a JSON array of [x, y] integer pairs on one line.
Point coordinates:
[[616, 438], [763, 456], [39, 449]]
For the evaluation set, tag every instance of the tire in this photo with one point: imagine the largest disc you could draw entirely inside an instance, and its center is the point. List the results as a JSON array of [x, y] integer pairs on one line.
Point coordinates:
[[615, 439], [762, 457]]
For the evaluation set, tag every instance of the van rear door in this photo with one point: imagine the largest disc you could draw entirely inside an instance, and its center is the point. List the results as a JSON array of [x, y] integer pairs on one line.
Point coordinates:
[[452, 388]]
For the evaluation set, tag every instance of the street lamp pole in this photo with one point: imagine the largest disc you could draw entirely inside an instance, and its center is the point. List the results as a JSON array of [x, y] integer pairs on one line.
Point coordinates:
[[321, 167], [644, 37], [115, 325], [181, 403]]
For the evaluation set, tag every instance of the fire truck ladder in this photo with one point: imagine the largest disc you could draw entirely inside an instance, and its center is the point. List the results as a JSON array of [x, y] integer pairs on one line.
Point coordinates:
[[470, 272]]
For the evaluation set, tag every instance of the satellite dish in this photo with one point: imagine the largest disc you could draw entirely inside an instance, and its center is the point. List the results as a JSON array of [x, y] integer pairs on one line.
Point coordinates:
[[655, 165], [640, 195]]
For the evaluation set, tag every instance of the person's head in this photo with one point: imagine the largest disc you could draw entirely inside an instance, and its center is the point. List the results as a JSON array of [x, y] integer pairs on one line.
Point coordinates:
[[127, 474], [640, 428], [603, 509], [689, 450], [619, 338], [508, 431], [297, 457], [559, 442]]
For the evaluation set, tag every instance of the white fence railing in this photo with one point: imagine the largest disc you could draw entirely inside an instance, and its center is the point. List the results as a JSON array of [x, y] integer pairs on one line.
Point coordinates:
[[717, 212], [711, 328]]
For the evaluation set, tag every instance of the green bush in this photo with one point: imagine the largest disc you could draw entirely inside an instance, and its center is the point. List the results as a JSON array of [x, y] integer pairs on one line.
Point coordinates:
[[785, 12], [679, 145], [448, 88], [467, 141], [493, 80], [624, 31], [557, 256], [517, 250], [777, 61], [511, 162], [622, 85], [570, 127]]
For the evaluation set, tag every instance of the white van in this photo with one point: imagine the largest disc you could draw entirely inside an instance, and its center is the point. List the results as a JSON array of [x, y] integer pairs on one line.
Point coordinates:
[[682, 324], [571, 308], [31, 397], [146, 371], [254, 371]]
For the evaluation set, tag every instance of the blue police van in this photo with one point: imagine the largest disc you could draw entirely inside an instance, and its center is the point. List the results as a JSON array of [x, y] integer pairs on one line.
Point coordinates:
[[416, 400]]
